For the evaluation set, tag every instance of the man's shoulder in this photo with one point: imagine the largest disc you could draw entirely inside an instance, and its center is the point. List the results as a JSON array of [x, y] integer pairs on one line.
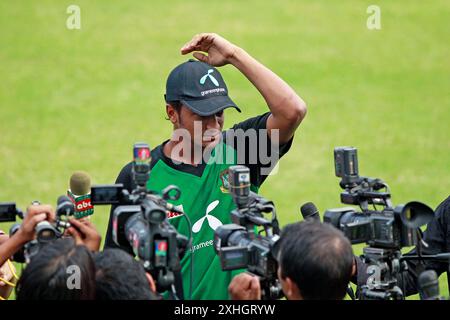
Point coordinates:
[[255, 123], [443, 210], [258, 122]]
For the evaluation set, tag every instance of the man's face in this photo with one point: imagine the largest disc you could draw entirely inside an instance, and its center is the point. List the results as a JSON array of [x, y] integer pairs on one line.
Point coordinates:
[[289, 288], [282, 281], [204, 131]]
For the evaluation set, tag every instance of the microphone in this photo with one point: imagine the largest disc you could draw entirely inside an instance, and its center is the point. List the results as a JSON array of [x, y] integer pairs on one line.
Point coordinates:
[[239, 181], [309, 212], [80, 194], [64, 206], [428, 285], [141, 164]]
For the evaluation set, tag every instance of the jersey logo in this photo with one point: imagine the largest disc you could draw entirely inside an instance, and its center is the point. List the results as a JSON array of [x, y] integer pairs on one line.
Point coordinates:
[[213, 222], [225, 187]]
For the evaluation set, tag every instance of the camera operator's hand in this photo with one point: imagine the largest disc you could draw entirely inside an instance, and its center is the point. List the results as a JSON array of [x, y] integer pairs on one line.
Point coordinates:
[[34, 215], [85, 234], [3, 237], [245, 287], [26, 232]]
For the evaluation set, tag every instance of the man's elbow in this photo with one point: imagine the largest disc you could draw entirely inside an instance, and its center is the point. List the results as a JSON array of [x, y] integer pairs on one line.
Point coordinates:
[[297, 111], [301, 109]]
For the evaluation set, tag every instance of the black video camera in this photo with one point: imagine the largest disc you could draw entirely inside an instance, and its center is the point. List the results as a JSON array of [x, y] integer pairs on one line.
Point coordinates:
[[391, 228], [140, 221], [386, 231], [241, 245], [45, 230]]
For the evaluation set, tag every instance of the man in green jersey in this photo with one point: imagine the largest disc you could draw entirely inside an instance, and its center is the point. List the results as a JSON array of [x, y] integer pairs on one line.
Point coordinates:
[[199, 153]]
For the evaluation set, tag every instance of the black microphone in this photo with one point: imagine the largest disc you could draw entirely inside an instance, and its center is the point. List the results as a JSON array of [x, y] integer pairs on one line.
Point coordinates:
[[64, 206], [309, 212], [239, 181], [428, 285]]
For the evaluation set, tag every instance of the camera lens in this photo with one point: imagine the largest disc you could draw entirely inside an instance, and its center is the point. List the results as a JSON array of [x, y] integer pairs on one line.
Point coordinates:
[[45, 231]]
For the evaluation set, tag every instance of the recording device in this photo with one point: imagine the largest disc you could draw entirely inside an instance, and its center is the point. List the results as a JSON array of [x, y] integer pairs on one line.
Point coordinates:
[[45, 230], [9, 211], [428, 285], [385, 231], [310, 212], [79, 193], [391, 228], [240, 244], [140, 221]]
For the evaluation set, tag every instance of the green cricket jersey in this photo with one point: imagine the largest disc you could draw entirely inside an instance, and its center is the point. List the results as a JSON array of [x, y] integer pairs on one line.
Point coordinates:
[[205, 198]]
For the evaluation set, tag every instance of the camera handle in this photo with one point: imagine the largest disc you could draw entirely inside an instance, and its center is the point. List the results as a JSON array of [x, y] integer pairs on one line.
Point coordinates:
[[270, 289], [386, 264], [441, 257]]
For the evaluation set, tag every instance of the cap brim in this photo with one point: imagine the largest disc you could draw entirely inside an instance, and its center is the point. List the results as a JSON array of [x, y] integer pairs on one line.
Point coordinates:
[[210, 106]]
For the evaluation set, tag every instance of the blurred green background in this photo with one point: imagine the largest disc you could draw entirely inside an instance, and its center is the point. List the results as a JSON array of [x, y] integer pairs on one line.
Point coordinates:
[[78, 99]]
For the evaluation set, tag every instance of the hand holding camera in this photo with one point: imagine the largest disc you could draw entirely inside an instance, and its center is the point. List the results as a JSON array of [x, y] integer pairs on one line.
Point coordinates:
[[84, 233], [245, 286], [36, 213]]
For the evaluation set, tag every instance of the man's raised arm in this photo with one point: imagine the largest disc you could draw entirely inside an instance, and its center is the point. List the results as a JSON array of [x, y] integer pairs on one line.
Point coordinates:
[[287, 108]]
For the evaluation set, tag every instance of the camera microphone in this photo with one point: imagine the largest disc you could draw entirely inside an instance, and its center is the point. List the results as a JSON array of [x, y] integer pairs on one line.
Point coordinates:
[[80, 194], [309, 212], [64, 206], [428, 285], [141, 164], [239, 180]]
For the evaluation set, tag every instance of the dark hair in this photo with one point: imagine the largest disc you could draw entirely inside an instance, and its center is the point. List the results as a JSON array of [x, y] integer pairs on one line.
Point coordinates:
[[318, 258], [47, 276], [120, 277]]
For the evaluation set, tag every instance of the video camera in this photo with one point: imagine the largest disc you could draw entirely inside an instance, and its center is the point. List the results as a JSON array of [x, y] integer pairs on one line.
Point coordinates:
[[240, 244], [386, 231], [45, 230], [387, 228], [140, 220]]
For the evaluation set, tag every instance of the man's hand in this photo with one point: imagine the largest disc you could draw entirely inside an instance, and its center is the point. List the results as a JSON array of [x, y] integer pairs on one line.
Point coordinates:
[[26, 232], [34, 215], [220, 51], [85, 234], [288, 109], [3, 237], [245, 287]]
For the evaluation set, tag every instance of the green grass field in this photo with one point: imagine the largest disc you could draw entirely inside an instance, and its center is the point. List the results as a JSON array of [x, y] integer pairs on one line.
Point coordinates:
[[78, 99]]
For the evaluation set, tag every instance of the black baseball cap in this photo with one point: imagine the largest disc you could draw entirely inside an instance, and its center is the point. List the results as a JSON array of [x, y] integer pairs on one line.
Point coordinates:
[[200, 87]]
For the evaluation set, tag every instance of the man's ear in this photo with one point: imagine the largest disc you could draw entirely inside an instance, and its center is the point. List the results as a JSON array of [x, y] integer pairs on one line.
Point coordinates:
[[151, 282], [172, 114], [292, 290]]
